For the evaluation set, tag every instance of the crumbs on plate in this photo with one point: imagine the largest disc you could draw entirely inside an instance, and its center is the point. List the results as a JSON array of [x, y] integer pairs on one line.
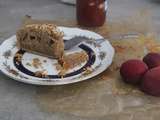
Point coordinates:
[[18, 57], [41, 74], [88, 70], [70, 61], [36, 63]]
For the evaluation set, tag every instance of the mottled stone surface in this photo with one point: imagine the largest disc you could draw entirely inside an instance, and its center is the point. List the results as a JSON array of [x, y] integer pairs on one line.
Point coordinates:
[[90, 100]]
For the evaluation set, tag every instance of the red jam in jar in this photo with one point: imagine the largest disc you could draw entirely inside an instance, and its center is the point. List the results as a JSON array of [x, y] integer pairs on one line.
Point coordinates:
[[91, 13]]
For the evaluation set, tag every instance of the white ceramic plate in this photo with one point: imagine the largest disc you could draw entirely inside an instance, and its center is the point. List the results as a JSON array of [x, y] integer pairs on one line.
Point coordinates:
[[100, 58]]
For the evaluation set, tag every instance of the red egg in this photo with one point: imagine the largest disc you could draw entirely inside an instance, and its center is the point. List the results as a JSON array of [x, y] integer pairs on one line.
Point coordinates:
[[133, 70], [152, 60], [151, 82]]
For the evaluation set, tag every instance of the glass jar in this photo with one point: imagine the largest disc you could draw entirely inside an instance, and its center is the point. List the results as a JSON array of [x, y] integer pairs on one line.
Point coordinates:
[[91, 13]]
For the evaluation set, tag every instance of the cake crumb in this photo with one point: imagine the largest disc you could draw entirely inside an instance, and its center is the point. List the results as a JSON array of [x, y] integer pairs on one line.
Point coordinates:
[[62, 73], [87, 71], [18, 57], [36, 63], [41, 74], [70, 61]]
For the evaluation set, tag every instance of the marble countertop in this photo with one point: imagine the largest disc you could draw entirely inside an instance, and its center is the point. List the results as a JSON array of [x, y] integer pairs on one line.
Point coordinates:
[[17, 100]]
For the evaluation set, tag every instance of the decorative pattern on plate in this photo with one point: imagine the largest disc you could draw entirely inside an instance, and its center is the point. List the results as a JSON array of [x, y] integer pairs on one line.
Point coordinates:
[[102, 55], [7, 54], [12, 71]]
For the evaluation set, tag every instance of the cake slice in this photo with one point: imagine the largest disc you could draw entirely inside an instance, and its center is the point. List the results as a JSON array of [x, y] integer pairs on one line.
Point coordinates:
[[44, 39]]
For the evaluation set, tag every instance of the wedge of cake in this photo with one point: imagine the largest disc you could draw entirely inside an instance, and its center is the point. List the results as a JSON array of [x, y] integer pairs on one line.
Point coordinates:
[[44, 39]]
